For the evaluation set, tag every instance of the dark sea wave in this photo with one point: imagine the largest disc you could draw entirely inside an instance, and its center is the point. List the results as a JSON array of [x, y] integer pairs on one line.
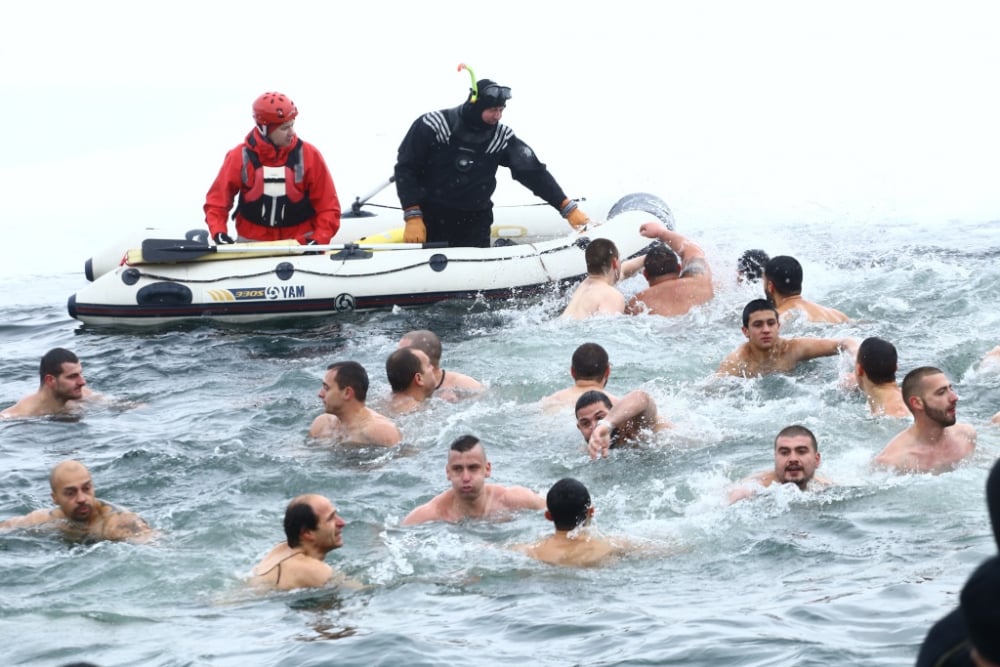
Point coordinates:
[[203, 433]]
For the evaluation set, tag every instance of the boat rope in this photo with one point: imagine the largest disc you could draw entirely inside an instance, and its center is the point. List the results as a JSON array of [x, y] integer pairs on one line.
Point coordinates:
[[258, 274]]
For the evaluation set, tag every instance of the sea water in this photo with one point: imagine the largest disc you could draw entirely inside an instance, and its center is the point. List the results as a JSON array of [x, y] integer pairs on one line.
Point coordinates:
[[205, 437]]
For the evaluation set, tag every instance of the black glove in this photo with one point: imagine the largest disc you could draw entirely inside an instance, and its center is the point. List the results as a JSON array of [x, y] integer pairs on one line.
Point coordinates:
[[312, 252], [223, 238]]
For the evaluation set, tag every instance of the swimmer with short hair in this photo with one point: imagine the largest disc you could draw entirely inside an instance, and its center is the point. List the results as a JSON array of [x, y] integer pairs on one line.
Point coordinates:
[[569, 508], [783, 287], [346, 418], [597, 294], [606, 425], [875, 370], [796, 458], [767, 352], [412, 379], [750, 266], [935, 442], [60, 390], [470, 497], [590, 369], [678, 274], [452, 385]]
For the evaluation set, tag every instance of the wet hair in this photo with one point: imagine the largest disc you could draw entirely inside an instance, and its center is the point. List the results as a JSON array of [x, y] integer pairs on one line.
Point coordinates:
[[53, 360], [993, 500], [878, 359], [591, 397], [755, 306], [912, 380], [568, 502], [599, 255], [751, 264], [661, 261], [351, 374], [400, 368], [299, 516], [465, 443], [980, 610], [794, 431], [786, 274], [590, 361], [427, 342]]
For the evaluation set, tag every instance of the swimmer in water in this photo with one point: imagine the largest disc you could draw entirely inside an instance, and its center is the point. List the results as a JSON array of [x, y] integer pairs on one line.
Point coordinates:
[[796, 458], [79, 514], [313, 528]]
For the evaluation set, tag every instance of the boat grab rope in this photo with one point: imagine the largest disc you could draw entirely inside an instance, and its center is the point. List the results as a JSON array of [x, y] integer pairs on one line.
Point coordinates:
[[257, 274]]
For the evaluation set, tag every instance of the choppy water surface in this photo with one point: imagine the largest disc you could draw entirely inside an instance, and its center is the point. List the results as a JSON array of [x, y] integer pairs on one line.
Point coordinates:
[[217, 446]]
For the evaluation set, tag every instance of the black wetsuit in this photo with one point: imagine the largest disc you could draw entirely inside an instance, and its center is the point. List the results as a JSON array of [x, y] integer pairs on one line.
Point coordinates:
[[447, 165]]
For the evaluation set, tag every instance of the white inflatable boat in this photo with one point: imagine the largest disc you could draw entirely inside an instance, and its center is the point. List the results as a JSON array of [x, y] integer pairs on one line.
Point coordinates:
[[170, 280]]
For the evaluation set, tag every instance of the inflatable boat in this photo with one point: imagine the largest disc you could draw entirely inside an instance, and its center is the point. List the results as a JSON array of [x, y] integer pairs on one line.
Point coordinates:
[[174, 279]]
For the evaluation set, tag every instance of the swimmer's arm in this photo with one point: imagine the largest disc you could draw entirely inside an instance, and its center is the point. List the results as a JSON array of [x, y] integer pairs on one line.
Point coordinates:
[[386, 434], [810, 348], [612, 302], [748, 486], [731, 365], [634, 410], [969, 431], [849, 345], [312, 573], [32, 519], [322, 426], [423, 514], [520, 497], [127, 526], [635, 307], [630, 267], [630, 546], [466, 383], [887, 458], [343, 581]]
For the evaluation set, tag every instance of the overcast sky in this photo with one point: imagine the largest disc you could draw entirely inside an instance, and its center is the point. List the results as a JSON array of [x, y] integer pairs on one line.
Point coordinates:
[[117, 114]]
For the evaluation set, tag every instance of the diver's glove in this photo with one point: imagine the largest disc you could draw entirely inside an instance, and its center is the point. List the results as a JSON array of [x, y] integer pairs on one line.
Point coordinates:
[[574, 216], [416, 231]]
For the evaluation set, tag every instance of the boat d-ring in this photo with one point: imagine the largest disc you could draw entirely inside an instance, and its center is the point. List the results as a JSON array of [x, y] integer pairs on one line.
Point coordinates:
[[438, 262]]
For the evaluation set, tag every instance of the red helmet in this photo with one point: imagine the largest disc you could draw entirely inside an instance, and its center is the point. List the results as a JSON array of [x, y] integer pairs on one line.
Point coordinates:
[[273, 109]]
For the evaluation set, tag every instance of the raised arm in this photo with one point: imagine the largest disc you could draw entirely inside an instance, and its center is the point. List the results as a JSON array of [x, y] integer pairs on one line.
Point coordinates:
[[635, 410], [686, 249], [630, 267]]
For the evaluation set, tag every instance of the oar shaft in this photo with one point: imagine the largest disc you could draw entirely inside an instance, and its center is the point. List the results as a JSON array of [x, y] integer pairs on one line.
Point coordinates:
[[362, 200], [299, 249]]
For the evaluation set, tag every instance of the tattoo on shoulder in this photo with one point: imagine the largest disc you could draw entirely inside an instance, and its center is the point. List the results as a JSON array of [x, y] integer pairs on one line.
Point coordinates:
[[695, 267]]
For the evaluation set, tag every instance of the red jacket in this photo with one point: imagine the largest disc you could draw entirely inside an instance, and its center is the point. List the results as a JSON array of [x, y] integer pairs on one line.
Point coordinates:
[[309, 178]]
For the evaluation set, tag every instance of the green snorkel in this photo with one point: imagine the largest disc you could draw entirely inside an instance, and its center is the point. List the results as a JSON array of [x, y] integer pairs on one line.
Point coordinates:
[[472, 75]]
